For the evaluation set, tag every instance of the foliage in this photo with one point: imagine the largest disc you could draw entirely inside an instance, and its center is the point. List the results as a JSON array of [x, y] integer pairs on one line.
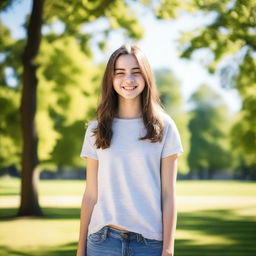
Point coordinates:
[[68, 79], [67, 93], [170, 95], [77, 16], [230, 38], [209, 128], [10, 138]]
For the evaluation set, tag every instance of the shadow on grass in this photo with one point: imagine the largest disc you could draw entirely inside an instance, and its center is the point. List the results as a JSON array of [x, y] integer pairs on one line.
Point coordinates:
[[239, 232], [223, 224], [49, 213]]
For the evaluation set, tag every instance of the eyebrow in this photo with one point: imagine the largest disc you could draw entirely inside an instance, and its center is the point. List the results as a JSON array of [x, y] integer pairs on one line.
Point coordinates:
[[124, 68]]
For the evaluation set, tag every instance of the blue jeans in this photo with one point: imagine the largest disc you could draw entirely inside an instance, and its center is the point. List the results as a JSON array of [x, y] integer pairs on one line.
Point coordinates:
[[112, 242]]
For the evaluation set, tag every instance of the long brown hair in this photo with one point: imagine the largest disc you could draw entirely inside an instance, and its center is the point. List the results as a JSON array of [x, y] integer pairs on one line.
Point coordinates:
[[150, 100]]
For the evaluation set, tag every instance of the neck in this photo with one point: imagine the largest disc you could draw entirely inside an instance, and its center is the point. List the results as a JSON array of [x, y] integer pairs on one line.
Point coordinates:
[[129, 109]]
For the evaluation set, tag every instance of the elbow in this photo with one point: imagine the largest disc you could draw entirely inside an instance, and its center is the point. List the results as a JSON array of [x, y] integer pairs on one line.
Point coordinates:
[[168, 198], [169, 194]]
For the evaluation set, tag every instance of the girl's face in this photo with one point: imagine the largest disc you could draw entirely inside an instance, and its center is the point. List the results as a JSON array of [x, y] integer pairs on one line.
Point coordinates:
[[128, 80]]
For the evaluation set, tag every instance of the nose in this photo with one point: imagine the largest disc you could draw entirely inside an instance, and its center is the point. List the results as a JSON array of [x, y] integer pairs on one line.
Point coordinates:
[[129, 77]]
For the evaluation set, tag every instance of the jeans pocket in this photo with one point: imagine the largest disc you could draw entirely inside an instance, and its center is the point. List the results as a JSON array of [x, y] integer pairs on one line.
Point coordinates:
[[153, 242], [97, 237]]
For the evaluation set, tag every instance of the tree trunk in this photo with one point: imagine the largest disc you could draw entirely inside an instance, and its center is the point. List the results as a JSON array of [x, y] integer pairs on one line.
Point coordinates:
[[201, 173], [210, 173], [29, 205]]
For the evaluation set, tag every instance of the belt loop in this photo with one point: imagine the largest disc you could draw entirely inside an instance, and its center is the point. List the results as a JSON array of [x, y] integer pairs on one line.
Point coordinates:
[[105, 231], [143, 238], [140, 237]]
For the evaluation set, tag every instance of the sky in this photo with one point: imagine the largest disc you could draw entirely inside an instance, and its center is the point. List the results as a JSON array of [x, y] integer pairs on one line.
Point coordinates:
[[159, 44]]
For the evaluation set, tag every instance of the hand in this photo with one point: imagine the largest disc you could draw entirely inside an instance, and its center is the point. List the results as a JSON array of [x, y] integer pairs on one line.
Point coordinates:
[[167, 252]]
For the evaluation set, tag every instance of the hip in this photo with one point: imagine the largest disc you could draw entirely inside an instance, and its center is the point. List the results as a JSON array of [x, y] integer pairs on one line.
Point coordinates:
[[109, 241]]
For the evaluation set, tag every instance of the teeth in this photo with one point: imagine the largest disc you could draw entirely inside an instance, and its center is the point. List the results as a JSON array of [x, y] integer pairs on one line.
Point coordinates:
[[129, 88]]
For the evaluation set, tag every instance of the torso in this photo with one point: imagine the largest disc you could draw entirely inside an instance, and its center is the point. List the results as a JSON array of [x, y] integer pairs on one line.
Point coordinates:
[[117, 227]]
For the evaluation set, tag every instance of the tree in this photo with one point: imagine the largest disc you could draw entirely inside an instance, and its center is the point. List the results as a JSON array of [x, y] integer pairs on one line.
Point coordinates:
[[230, 40], [209, 128], [170, 95], [73, 87], [29, 199], [73, 16]]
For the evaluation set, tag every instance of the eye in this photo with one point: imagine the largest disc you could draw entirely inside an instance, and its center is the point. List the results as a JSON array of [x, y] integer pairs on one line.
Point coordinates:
[[119, 73]]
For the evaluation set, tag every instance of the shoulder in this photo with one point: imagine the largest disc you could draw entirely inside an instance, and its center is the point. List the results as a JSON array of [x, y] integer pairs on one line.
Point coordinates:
[[92, 124], [167, 119]]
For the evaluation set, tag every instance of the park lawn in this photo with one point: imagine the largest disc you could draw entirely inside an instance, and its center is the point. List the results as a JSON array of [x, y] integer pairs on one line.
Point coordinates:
[[184, 187], [214, 217]]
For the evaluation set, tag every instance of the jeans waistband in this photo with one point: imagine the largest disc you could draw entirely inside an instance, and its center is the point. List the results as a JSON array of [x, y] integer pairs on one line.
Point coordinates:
[[110, 231]]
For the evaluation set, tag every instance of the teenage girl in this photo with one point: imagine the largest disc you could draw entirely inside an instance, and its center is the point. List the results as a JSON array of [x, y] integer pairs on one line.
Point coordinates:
[[132, 150]]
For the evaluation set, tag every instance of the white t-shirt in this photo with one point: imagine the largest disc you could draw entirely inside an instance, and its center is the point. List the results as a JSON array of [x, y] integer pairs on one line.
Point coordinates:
[[129, 183]]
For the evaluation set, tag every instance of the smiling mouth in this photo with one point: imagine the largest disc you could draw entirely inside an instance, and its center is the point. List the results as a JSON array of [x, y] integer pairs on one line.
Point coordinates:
[[129, 88]]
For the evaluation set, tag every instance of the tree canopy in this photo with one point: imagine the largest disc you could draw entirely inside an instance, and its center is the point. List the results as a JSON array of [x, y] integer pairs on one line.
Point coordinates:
[[230, 40]]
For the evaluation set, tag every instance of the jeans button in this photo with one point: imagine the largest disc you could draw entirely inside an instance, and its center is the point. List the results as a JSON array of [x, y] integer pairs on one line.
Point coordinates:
[[124, 235]]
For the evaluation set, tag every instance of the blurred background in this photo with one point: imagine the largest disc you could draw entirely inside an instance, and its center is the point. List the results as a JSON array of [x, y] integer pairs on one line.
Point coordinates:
[[52, 57]]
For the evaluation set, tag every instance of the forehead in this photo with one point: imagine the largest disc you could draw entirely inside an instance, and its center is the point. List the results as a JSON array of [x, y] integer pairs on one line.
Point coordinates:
[[126, 61]]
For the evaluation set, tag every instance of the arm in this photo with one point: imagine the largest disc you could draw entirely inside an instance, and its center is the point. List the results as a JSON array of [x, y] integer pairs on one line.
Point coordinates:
[[169, 212], [89, 200]]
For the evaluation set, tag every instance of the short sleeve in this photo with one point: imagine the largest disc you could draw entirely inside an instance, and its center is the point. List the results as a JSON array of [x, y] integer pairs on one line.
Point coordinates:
[[172, 141], [88, 148]]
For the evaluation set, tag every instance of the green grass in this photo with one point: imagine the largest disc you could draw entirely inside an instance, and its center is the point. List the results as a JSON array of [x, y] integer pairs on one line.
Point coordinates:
[[46, 187], [216, 188], [184, 187], [214, 218]]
